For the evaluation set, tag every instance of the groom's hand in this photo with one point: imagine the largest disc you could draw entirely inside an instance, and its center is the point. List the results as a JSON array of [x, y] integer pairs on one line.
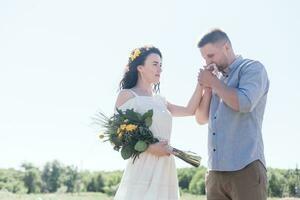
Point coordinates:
[[206, 78]]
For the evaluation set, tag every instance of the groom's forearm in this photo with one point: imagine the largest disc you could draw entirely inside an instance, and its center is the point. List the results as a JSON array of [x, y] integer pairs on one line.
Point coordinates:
[[227, 94]]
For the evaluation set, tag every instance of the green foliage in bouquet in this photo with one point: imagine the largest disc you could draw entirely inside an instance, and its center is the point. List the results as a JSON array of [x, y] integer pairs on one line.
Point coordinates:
[[129, 131]]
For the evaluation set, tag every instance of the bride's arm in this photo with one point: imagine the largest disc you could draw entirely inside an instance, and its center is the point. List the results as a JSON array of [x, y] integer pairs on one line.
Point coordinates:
[[202, 112], [190, 109], [159, 149]]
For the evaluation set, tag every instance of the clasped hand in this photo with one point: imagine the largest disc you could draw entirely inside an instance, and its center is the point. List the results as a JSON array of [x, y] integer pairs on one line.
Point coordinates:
[[207, 75]]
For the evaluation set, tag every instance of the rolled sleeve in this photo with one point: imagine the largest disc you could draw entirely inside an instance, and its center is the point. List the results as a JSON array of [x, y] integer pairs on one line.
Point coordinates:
[[252, 86]]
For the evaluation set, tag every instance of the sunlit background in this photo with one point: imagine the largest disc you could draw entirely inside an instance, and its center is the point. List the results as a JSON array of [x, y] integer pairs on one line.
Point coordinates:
[[62, 60]]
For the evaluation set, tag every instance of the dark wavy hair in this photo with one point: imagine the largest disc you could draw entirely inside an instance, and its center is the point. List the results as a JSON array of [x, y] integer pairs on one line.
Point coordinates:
[[130, 77]]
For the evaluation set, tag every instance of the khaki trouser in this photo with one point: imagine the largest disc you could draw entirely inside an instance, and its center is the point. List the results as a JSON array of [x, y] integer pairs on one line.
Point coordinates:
[[249, 183]]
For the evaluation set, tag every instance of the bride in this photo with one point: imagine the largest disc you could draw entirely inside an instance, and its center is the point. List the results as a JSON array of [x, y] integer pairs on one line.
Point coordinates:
[[153, 175]]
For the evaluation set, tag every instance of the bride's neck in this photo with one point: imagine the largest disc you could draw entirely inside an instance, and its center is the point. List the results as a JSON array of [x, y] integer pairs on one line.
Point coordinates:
[[144, 89]]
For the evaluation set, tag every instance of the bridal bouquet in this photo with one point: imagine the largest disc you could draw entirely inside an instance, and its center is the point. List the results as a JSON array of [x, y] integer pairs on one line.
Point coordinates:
[[129, 131]]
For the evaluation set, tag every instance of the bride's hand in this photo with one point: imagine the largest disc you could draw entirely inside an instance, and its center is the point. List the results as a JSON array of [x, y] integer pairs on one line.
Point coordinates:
[[207, 89], [159, 149]]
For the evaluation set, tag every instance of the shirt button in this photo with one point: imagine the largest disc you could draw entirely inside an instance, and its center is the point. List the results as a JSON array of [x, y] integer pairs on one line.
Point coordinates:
[[214, 133], [214, 149], [215, 117]]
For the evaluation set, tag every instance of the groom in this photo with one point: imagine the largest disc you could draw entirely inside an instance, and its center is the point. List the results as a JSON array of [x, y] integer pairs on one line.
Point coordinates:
[[233, 106]]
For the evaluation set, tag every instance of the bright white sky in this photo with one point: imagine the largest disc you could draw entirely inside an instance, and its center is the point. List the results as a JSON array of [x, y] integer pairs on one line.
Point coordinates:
[[62, 60]]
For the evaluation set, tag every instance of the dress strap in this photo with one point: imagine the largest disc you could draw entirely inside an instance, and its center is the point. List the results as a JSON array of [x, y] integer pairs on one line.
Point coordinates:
[[133, 92]]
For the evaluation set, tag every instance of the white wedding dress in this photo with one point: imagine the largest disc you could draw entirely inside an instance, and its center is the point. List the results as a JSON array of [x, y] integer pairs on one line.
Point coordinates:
[[150, 177]]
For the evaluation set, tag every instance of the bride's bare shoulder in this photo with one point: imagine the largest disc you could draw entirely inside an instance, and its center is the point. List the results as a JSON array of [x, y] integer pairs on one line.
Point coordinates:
[[124, 96]]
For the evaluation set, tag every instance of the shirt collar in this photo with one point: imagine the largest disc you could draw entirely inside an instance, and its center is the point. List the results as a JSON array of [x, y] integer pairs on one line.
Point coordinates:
[[237, 61]]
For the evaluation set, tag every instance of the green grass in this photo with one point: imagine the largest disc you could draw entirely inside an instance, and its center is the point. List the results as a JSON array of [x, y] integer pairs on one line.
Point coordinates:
[[82, 196], [86, 196]]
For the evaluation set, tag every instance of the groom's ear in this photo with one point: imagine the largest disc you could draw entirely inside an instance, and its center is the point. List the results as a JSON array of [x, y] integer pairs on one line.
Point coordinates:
[[227, 46]]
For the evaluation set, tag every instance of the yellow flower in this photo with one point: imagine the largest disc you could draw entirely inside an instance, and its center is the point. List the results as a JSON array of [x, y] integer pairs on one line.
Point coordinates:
[[122, 127], [135, 54], [125, 128], [131, 127], [120, 134]]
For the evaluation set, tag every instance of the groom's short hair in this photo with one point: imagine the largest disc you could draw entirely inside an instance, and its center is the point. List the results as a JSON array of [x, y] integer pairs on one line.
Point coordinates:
[[214, 36]]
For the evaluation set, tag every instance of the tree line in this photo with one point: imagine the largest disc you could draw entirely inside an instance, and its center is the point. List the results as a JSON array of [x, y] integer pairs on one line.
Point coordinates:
[[56, 177]]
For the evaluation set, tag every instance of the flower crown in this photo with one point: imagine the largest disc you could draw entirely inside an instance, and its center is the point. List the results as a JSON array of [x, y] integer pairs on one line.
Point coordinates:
[[135, 54]]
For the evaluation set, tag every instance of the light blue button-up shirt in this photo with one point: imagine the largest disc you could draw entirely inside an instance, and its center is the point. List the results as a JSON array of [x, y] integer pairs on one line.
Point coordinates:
[[235, 138]]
